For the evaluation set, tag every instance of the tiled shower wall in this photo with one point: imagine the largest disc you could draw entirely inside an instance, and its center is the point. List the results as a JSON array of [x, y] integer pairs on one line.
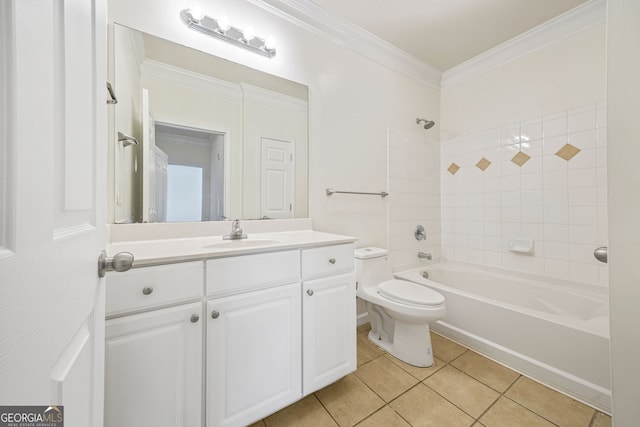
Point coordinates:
[[414, 187], [542, 179]]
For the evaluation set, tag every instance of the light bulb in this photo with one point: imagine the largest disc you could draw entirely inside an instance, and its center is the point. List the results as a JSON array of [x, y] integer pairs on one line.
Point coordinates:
[[223, 23], [248, 33], [270, 43], [196, 13]]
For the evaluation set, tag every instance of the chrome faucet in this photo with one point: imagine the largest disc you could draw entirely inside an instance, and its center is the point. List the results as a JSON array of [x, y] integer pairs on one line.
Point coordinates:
[[236, 232], [424, 255]]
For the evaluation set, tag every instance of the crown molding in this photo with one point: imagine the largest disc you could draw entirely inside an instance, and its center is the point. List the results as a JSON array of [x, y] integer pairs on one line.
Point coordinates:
[[179, 76], [578, 19], [273, 99], [310, 16]]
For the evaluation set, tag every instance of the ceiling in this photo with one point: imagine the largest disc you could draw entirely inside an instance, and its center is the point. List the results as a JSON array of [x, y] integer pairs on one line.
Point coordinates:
[[445, 33]]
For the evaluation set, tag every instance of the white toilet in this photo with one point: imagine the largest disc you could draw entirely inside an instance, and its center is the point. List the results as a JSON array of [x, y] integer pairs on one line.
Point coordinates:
[[399, 310]]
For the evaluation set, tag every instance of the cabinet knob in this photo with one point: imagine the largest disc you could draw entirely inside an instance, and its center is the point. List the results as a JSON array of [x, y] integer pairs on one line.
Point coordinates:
[[310, 292], [147, 290], [332, 260], [194, 318], [215, 314]]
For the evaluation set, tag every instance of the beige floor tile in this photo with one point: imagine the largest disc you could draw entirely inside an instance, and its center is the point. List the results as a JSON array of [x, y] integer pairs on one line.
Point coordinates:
[[445, 349], [423, 407], [468, 394], [486, 371], [417, 372], [364, 328], [367, 350], [307, 412], [385, 417], [602, 420], [386, 378], [349, 400], [550, 404], [506, 412], [258, 424]]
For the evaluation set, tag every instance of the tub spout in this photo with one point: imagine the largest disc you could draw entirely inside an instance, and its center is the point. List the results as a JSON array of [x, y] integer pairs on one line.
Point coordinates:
[[424, 255]]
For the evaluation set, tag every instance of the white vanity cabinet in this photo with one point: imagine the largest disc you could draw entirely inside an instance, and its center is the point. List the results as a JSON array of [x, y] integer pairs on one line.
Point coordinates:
[[328, 315], [254, 363], [227, 340], [154, 368], [153, 359]]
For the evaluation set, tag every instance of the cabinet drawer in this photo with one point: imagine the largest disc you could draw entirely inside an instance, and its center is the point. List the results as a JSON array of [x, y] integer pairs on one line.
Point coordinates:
[[226, 276], [152, 286], [327, 260]]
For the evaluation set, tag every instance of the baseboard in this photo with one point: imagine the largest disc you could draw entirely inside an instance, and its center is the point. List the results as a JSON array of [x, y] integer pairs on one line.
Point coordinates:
[[362, 319]]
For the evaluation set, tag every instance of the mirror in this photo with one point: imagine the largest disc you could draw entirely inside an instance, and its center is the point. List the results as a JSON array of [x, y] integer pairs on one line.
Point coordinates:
[[201, 138]]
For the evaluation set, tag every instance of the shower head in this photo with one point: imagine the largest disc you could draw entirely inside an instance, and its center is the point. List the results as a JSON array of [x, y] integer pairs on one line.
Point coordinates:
[[428, 124]]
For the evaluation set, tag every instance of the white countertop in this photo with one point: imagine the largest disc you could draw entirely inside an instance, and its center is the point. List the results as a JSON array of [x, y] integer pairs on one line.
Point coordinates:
[[163, 251]]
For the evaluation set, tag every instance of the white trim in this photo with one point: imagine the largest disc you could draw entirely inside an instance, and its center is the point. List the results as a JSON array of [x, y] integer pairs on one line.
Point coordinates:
[[310, 16], [273, 99], [578, 19], [155, 70]]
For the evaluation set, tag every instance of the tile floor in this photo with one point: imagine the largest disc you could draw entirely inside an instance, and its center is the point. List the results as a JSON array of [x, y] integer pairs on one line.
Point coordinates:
[[463, 388]]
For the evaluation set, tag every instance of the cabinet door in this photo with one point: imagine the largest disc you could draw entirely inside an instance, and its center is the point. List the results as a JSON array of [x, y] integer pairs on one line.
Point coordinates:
[[154, 369], [329, 331], [253, 355]]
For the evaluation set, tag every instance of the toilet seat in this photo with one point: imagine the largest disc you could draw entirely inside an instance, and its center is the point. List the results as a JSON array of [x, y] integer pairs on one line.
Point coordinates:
[[407, 292]]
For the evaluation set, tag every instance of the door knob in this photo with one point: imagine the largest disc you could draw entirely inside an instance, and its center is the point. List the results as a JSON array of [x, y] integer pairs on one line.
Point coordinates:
[[601, 254], [122, 261]]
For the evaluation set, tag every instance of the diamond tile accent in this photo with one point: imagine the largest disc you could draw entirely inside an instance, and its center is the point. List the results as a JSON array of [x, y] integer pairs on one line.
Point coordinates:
[[483, 164], [567, 152], [453, 168], [520, 158]]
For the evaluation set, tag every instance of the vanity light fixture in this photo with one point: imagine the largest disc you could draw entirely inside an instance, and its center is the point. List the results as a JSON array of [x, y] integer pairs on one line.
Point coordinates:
[[222, 30]]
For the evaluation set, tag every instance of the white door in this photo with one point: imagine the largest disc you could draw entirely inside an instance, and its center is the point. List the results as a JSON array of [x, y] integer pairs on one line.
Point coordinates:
[[52, 205], [276, 178], [148, 161], [623, 149]]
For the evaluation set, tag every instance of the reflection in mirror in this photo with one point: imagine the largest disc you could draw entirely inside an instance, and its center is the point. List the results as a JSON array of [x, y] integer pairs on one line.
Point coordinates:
[[218, 140]]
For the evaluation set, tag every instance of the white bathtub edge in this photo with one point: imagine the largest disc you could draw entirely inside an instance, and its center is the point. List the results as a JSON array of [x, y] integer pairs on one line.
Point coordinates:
[[563, 382]]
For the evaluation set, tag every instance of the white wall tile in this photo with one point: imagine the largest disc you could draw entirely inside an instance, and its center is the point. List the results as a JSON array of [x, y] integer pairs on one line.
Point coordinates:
[[587, 196], [583, 234], [580, 120], [556, 215], [554, 124], [583, 140], [560, 204]]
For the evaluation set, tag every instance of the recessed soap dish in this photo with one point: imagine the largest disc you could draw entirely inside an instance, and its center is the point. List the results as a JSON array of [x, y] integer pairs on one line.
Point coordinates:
[[521, 246]]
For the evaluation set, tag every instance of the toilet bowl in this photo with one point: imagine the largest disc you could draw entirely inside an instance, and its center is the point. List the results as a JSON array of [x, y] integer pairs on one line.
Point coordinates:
[[399, 311]]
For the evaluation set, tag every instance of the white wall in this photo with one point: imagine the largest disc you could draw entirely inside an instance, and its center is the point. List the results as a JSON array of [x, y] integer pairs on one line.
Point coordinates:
[[128, 90], [552, 96], [352, 102], [567, 74]]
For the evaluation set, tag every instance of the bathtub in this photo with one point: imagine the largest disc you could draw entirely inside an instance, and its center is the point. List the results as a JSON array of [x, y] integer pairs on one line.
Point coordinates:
[[554, 331]]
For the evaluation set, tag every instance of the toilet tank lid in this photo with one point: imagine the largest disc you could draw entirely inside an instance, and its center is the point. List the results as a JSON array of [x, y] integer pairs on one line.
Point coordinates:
[[370, 252]]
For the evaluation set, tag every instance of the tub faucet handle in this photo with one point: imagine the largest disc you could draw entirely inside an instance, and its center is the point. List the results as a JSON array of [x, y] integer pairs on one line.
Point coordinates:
[[424, 255]]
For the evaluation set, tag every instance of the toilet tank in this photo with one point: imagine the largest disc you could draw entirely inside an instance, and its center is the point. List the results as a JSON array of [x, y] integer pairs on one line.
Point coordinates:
[[372, 266]]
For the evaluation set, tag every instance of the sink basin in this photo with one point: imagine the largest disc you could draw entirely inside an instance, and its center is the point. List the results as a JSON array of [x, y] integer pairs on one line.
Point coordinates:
[[244, 243]]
